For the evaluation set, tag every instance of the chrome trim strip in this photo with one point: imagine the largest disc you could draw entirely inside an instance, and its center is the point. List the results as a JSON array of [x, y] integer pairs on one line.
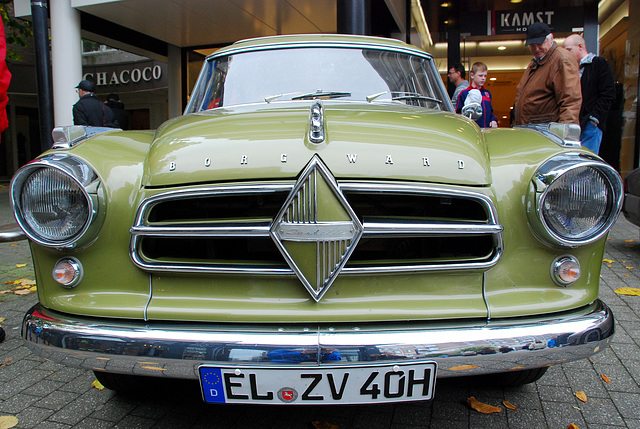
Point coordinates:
[[246, 230], [164, 349], [376, 44], [371, 229], [10, 236], [256, 189], [382, 229]]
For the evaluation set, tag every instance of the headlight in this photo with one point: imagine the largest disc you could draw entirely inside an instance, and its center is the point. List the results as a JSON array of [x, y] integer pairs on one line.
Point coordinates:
[[574, 199], [56, 201]]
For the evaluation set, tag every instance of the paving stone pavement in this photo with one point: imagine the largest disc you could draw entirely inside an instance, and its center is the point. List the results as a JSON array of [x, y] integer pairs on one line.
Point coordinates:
[[43, 394]]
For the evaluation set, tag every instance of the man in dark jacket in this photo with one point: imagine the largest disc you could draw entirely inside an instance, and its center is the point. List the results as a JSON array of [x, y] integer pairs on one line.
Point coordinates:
[[598, 92], [89, 110], [117, 107]]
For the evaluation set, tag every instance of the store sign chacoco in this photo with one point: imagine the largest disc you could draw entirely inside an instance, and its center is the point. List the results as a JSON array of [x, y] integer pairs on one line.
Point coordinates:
[[131, 76]]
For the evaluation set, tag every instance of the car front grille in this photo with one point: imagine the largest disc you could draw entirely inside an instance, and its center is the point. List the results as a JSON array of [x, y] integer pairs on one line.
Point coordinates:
[[225, 229]]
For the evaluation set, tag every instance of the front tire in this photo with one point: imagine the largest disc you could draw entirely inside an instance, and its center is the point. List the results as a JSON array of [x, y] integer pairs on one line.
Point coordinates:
[[515, 378], [122, 382]]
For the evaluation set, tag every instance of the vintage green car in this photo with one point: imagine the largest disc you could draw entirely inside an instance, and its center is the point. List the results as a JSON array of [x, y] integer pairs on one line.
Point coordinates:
[[319, 227]]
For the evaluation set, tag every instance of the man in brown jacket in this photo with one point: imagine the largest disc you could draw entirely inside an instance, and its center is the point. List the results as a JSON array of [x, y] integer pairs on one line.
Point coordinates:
[[549, 90]]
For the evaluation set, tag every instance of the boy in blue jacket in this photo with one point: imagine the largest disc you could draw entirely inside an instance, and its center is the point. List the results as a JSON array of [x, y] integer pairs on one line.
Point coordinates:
[[478, 78]]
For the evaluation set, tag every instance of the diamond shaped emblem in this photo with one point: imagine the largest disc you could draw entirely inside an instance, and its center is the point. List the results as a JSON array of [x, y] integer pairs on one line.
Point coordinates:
[[316, 230]]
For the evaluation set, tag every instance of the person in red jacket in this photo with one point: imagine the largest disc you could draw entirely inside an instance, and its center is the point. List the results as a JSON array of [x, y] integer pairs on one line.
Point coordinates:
[[5, 79]]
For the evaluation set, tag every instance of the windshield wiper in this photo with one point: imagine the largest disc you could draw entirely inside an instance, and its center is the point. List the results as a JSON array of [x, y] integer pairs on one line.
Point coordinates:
[[413, 96], [322, 94], [398, 95]]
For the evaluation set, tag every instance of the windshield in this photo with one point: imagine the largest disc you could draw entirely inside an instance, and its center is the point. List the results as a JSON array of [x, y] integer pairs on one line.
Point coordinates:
[[354, 74]]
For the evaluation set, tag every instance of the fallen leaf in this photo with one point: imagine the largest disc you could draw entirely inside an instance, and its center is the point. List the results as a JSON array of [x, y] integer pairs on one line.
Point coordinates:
[[605, 378], [631, 291], [7, 422], [629, 268], [2, 319], [22, 292], [509, 405], [33, 288], [21, 265], [608, 261], [10, 282], [629, 241], [97, 385], [28, 282], [581, 395], [572, 426], [626, 275], [14, 244], [154, 368], [482, 407], [462, 367], [324, 425]]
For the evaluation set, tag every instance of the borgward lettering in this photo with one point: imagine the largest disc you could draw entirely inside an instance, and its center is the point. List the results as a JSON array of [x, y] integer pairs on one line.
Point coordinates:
[[351, 158]]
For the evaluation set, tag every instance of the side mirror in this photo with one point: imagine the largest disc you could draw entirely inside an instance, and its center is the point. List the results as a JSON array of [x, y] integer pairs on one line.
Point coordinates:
[[472, 111]]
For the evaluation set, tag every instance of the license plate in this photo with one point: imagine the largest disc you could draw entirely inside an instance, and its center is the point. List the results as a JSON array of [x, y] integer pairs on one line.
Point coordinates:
[[361, 384]]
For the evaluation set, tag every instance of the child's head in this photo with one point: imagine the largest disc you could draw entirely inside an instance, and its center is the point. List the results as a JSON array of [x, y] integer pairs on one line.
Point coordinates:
[[479, 74]]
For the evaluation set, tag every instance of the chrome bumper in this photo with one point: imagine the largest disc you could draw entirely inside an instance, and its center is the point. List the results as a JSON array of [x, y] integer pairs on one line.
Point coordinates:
[[177, 349]]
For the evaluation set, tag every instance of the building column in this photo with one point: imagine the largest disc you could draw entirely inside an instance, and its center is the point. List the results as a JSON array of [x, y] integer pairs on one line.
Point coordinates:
[[354, 17], [43, 71], [630, 145], [591, 27], [453, 41], [66, 59], [174, 84]]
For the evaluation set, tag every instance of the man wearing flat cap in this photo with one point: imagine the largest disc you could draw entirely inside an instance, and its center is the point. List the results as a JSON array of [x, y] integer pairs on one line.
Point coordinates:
[[89, 110], [549, 90]]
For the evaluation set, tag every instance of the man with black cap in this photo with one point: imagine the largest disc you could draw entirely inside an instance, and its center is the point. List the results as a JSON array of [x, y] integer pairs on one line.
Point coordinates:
[[89, 110], [549, 90]]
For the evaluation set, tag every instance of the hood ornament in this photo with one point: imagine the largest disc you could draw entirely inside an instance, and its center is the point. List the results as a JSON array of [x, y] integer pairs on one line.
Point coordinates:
[[316, 230], [316, 123]]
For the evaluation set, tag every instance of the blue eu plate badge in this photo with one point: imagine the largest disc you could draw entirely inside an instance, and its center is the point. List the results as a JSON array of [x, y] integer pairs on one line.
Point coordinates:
[[212, 385]]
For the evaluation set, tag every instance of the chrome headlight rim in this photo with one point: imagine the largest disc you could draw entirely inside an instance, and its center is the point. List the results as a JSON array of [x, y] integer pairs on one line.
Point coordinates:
[[541, 184], [88, 182]]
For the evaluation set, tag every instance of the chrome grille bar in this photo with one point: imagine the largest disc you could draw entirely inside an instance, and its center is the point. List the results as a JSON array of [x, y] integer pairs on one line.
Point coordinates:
[[305, 211]]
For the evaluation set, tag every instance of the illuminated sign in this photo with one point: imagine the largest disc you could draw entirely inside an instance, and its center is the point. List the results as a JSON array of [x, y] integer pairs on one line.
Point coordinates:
[[516, 21]]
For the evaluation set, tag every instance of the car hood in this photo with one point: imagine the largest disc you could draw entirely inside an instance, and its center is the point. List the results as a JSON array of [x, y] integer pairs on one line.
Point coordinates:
[[362, 141]]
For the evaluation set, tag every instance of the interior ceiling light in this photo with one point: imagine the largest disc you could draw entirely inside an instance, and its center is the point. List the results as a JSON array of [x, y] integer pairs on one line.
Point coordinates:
[[445, 4], [516, 1], [502, 48], [493, 78]]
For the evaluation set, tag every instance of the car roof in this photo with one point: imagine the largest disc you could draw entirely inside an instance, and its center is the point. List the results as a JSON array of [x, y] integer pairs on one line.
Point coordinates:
[[318, 40]]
